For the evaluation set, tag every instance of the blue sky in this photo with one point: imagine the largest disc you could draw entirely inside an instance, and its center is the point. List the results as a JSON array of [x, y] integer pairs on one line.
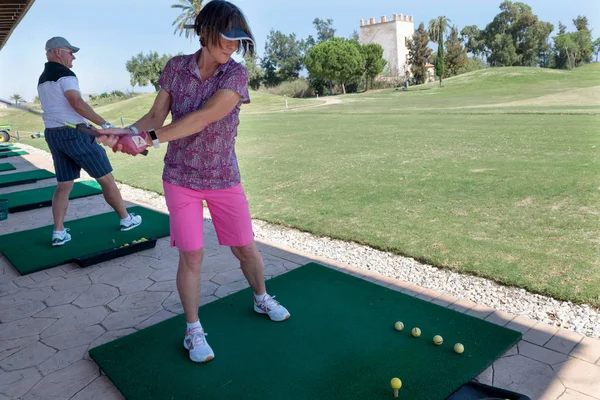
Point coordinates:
[[110, 32]]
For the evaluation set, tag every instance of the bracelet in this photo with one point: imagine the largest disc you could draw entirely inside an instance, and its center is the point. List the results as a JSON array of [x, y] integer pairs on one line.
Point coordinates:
[[133, 129]]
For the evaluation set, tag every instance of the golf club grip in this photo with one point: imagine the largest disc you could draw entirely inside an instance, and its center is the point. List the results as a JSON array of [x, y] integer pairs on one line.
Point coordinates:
[[83, 128]]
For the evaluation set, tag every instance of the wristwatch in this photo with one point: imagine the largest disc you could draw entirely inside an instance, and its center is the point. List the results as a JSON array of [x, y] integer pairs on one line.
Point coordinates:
[[106, 125], [154, 138]]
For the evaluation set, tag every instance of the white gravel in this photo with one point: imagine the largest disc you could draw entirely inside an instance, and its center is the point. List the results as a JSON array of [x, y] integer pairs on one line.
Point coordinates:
[[583, 319]]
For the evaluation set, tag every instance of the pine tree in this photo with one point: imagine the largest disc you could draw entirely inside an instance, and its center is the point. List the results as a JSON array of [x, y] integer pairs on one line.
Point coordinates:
[[419, 54], [456, 55]]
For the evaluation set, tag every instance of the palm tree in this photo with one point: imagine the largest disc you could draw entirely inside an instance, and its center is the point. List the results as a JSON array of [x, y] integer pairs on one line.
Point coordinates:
[[437, 29], [189, 11], [16, 98]]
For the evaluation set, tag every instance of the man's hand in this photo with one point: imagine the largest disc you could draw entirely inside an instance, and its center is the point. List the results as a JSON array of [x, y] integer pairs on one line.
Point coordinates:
[[123, 140], [110, 136], [116, 131]]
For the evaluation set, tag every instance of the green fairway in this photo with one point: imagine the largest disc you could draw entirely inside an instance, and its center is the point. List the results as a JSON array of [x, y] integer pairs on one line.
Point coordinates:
[[340, 343], [495, 174]]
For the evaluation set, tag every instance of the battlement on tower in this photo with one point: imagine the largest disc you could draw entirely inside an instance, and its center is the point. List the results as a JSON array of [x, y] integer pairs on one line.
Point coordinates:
[[385, 20], [391, 35]]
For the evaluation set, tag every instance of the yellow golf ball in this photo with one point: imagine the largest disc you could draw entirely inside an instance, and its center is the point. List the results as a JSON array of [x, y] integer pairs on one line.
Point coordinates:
[[399, 326], [416, 332], [396, 383], [438, 340], [459, 348]]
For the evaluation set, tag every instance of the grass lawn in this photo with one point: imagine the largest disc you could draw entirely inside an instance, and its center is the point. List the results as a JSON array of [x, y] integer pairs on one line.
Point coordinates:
[[496, 174]]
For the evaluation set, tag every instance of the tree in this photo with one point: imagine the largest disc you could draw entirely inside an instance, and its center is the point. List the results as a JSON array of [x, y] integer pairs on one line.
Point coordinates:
[[596, 46], [503, 52], [255, 73], [337, 59], [456, 55], [572, 49], [471, 38], [189, 11], [146, 69], [583, 37], [372, 54], [437, 30], [355, 36], [325, 30], [565, 49], [419, 54], [283, 57], [516, 36], [16, 98]]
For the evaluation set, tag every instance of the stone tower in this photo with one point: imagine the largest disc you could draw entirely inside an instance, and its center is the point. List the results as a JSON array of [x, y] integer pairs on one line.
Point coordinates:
[[391, 35]]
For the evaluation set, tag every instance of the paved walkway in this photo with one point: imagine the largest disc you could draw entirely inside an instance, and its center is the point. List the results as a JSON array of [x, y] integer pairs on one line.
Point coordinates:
[[50, 319]]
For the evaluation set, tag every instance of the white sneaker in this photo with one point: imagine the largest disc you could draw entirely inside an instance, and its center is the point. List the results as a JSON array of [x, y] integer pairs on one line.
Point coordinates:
[[270, 306], [133, 222], [58, 239], [196, 343]]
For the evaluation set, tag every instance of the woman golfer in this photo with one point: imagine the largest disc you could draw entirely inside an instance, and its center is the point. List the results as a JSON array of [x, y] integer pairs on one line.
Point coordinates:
[[204, 92]]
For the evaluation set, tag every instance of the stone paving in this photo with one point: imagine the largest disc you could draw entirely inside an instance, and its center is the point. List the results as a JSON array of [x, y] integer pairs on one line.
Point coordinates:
[[50, 319]]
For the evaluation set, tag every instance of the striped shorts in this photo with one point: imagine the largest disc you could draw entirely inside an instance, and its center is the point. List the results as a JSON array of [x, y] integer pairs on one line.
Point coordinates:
[[73, 150]]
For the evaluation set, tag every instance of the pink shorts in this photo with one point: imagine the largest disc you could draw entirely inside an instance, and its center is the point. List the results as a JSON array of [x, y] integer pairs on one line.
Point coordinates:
[[228, 209]]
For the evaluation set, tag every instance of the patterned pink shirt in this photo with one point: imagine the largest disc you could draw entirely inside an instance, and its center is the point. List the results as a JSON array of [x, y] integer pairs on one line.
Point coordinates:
[[206, 159]]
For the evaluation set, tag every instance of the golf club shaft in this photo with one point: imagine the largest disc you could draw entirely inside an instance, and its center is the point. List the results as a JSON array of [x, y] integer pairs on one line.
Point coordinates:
[[80, 127]]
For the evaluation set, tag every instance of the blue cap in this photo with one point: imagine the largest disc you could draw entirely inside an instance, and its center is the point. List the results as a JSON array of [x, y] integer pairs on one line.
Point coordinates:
[[236, 34]]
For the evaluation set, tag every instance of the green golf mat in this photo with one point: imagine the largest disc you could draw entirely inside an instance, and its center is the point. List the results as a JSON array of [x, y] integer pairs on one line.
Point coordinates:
[[6, 167], [20, 178], [340, 343], [7, 154], [42, 197], [31, 251]]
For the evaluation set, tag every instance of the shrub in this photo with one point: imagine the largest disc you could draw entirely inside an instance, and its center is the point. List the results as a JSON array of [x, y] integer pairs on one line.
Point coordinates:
[[296, 88]]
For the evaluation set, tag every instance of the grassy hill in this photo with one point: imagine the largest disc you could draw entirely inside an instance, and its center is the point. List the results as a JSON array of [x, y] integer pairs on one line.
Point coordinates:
[[481, 91], [495, 174]]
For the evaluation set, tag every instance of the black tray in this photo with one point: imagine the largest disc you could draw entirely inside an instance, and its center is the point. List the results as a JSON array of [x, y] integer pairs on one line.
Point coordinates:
[[111, 254], [479, 391]]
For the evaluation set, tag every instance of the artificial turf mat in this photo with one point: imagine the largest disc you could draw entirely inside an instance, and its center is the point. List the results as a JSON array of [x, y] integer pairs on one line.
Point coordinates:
[[19, 178], [340, 343], [6, 167], [6, 154], [42, 197], [31, 251]]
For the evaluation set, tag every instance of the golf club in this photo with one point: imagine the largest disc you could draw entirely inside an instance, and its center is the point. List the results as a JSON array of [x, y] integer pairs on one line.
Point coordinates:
[[80, 127]]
